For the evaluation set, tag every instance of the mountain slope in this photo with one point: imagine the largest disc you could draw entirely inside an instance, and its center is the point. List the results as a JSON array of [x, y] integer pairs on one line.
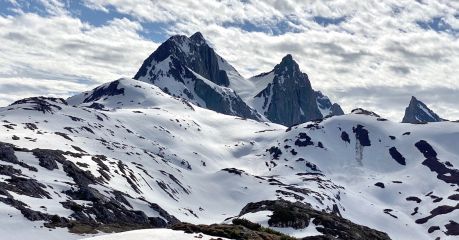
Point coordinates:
[[189, 68], [418, 112], [126, 155], [285, 96]]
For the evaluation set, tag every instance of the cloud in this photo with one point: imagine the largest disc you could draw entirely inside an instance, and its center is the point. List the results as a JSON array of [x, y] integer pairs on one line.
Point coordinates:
[[392, 101], [62, 49], [373, 54]]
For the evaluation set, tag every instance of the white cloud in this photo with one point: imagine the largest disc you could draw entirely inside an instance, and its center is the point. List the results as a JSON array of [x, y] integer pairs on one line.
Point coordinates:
[[376, 58], [61, 49]]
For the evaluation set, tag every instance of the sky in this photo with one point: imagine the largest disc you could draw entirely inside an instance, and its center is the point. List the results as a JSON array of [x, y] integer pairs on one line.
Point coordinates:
[[371, 54]]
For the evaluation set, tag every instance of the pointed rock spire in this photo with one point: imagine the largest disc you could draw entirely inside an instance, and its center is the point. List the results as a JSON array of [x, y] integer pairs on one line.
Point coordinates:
[[288, 97], [198, 37], [418, 112]]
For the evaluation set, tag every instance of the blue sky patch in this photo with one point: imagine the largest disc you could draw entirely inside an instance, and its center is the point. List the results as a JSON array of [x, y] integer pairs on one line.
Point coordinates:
[[325, 21], [437, 24], [274, 27]]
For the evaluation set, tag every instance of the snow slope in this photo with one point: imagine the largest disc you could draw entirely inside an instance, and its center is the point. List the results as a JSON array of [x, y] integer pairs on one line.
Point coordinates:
[[159, 157], [153, 234]]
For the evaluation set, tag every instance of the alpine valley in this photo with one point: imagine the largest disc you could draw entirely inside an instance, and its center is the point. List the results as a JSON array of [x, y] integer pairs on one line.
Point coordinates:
[[189, 149]]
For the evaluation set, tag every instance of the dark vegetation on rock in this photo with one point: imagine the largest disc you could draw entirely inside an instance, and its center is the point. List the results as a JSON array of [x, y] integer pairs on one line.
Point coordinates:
[[298, 215]]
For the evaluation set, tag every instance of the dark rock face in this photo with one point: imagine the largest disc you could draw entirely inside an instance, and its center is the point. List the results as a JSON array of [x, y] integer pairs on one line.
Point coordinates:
[[298, 215], [42, 104], [361, 134], [397, 156], [418, 112], [444, 172], [7, 155], [364, 112], [104, 91], [303, 140], [323, 102], [103, 212], [47, 159], [183, 61], [289, 99], [199, 57], [221, 103], [345, 137], [452, 228]]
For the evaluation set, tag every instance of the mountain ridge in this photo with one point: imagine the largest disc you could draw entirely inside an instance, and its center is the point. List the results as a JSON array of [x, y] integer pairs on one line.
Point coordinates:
[[181, 65]]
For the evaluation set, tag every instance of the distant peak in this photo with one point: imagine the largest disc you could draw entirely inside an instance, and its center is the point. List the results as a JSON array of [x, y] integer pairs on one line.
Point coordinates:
[[197, 36], [288, 59], [287, 64], [418, 112], [178, 37], [414, 103]]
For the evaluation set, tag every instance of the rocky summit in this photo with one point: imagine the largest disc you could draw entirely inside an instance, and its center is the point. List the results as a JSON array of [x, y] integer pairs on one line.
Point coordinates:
[[189, 68], [418, 112], [288, 97]]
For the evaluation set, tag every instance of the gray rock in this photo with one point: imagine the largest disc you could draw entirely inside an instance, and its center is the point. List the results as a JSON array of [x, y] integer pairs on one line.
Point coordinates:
[[289, 99], [418, 112], [189, 60], [298, 215]]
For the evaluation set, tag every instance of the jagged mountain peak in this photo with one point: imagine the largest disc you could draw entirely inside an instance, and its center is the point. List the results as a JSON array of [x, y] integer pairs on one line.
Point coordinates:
[[187, 67], [418, 112], [289, 69], [285, 95], [198, 37], [191, 52], [287, 60]]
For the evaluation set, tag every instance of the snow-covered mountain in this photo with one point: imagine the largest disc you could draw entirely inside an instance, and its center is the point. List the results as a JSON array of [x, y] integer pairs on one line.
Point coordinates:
[[418, 112], [189, 68], [190, 141], [127, 155], [285, 96]]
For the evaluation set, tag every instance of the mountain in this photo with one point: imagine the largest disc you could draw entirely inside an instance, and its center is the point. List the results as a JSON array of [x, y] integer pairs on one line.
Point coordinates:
[[189, 68], [285, 96], [418, 112], [126, 155]]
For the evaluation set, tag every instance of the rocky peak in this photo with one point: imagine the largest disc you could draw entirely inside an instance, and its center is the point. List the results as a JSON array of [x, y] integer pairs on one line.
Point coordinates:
[[197, 37], [187, 67], [289, 70], [287, 60], [418, 112], [288, 97], [189, 52]]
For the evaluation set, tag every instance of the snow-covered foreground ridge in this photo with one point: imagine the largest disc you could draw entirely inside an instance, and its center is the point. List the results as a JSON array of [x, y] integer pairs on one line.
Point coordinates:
[[153, 234], [127, 155]]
